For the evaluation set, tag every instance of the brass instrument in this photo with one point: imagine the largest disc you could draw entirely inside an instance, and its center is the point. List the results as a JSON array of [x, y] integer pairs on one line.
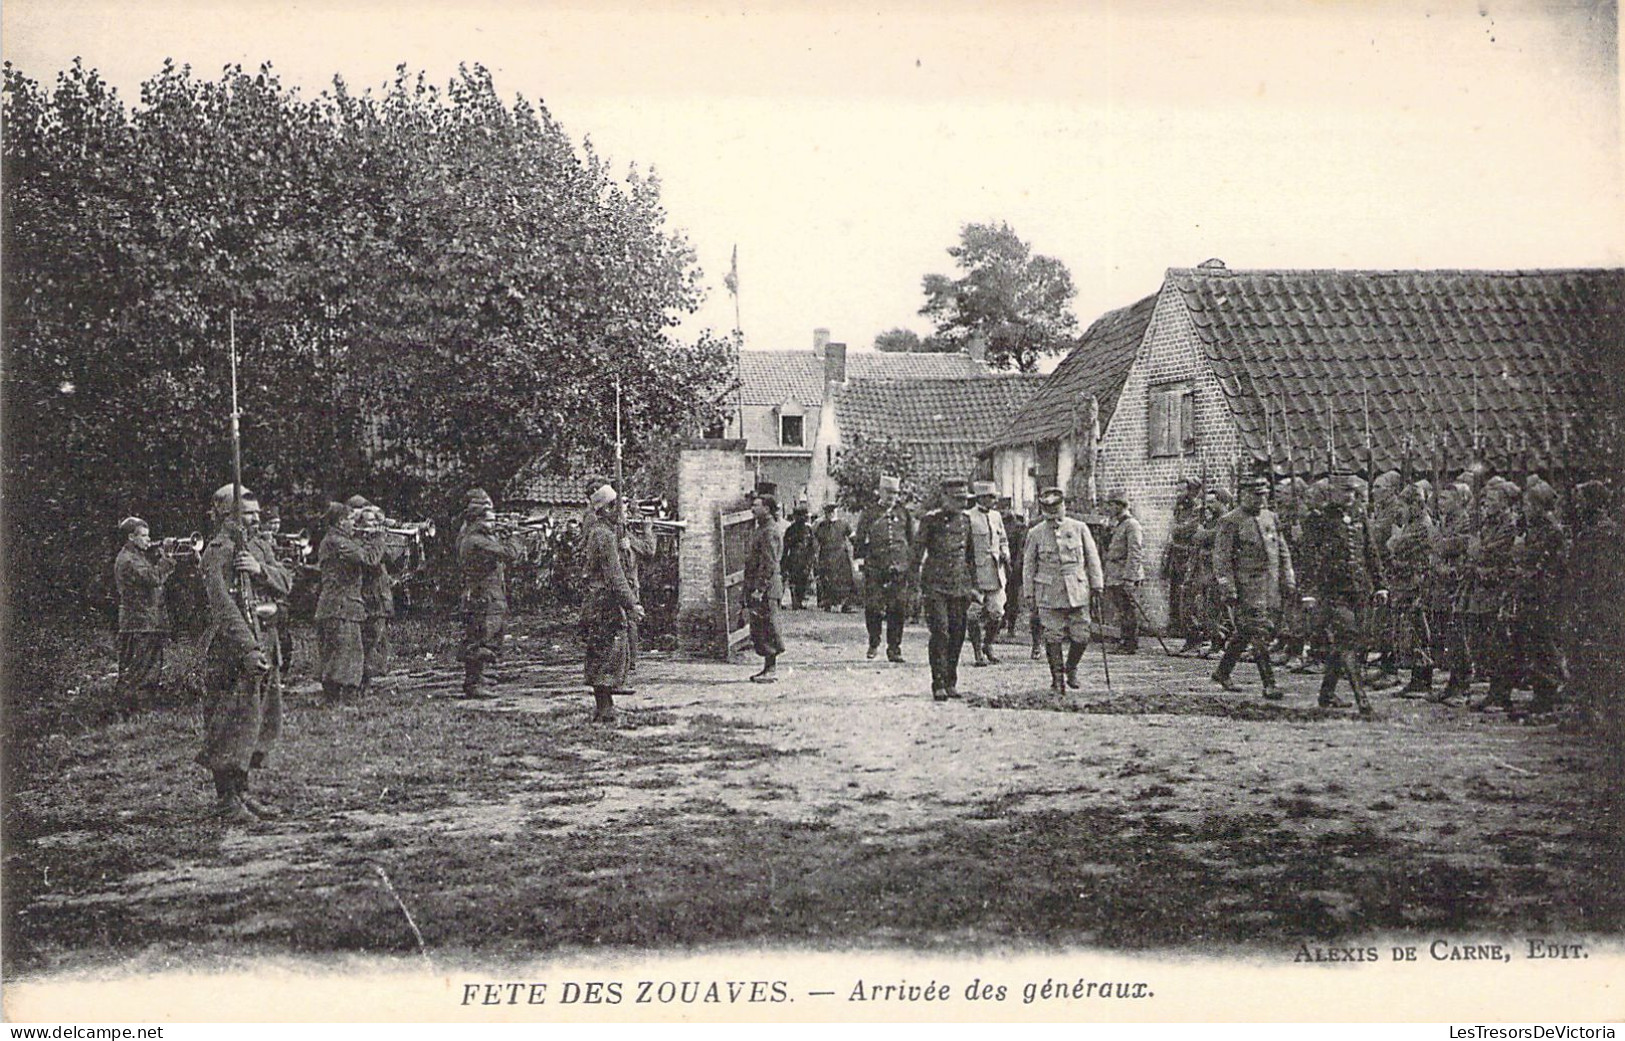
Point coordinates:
[[294, 548], [506, 525], [191, 546], [423, 529]]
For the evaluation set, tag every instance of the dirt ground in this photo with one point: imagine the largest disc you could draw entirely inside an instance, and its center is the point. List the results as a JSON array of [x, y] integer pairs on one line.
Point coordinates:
[[839, 807]]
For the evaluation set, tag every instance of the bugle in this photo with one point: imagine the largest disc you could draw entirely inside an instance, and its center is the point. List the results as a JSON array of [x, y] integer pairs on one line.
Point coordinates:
[[174, 546]]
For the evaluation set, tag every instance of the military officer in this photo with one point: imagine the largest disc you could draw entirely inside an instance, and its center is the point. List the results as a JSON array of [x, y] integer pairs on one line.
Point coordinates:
[[1252, 567], [885, 541], [143, 621], [1125, 570], [991, 546], [239, 727], [764, 585], [606, 604], [482, 561], [340, 607], [1187, 518], [944, 560], [1346, 574], [1060, 575]]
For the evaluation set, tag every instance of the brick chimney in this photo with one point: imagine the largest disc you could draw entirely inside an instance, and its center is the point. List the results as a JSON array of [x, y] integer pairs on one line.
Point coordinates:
[[834, 362], [976, 347], [820, 341]]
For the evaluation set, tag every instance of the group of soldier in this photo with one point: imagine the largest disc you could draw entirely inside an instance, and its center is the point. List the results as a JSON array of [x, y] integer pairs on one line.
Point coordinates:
[[1479, 578]]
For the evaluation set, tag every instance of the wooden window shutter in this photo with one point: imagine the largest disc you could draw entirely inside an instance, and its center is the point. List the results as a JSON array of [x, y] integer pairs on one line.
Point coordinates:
[[1187, 421]]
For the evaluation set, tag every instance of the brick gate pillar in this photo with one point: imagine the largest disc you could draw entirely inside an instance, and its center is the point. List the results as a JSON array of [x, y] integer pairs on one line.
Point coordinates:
[[712, 478]]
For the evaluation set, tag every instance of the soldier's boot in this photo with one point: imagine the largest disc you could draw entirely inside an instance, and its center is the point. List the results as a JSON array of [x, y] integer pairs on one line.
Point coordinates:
[[1227, 665], [1354, 666], [228, 800], [474, 681], [973, 636], [1266, 674], [263, 810], [1057, 667], [1192, 645], [1328, 686], [1421, 683], [990, 631], [603, 705], [770, 670], [1074, 655], [1034, 627]]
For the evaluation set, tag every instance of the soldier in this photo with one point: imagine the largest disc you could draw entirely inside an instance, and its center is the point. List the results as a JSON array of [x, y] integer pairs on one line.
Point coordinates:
[[1187, 518], [607, 603], [1290, 501], [1492, 603], [944, 560], [1346, 575], [239, 725], [764, 586], [143, 621], [834, 540], [273, 584], [1408, 551], [1449, 581], [885, 541], [1060, 576], [377, 591], [341, 609], [992, 559], [1015, 529], [482, 561], [637, 549], [1595, 592], [271, 523], [1203, 602], [1252, 567], [1541, 559], [799, 552], [1125, 570]]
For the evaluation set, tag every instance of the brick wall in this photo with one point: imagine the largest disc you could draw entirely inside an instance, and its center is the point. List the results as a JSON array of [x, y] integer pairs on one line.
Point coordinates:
[[1171, 351], [712, 478]]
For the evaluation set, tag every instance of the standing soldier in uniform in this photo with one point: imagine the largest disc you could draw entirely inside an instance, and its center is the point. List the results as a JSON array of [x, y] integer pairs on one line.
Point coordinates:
[[377, 591], [885, 541], [238, 731], [1408, 552], [1291, 497], [143, 622], [606, 604], [482, 560], [1203, 604], [944, 559], [273, 584], [1015, 529], [1252, 568], [992, 559], [1060, 575], [1449, 582], [341, 608], [1187, 518], [1492, 556], [764, 586], [637, 549], [271, 521], [1346, 575], [835, 585], [799, 552], [1542, 561], [1125, 570]]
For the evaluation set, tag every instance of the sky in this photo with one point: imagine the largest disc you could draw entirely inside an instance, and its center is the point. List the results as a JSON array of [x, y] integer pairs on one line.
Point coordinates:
[[841, 146]]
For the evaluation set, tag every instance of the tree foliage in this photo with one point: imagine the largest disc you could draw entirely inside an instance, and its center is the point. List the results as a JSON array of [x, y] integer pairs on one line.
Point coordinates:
[[861, 462], [431, 287], [907, 341], [1018, 301]]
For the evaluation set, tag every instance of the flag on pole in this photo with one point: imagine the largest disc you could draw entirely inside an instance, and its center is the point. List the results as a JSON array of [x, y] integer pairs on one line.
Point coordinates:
[[732, 280]]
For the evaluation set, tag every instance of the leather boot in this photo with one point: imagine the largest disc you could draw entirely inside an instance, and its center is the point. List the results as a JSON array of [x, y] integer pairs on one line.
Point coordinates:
[[1356, 673], [973, 636], [988, 633], [603, 705], [1074, 655], [228, 801], [1057, 667], [263, 811]]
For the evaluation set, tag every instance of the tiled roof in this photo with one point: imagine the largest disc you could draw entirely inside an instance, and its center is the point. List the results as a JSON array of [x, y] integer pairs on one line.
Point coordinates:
[[1097, 366], [775, 377], [941, 421], [1417, 347]]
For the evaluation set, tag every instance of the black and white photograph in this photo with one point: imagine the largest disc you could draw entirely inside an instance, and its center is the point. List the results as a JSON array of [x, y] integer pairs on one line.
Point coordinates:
[[553, 512]]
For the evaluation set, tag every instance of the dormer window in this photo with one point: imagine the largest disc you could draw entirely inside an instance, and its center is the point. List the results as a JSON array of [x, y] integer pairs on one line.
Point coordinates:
[[792, 425]]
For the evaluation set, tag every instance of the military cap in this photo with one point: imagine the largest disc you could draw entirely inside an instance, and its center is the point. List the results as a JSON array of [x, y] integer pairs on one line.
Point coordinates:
[[221, 499], [336, 511], [890, 483], [594, 482], [951, 483], [1540, 495], [270, 513], [605, 495], [128, 525], [357, 502], [1116, 495], [1051, 495], [981, 488], [478, 495]]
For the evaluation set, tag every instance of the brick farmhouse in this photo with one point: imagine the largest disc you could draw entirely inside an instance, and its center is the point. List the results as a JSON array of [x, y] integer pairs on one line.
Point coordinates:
[[1225, 371]]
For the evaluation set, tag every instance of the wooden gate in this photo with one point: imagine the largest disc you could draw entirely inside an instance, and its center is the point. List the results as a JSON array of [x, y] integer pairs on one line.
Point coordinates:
[[733, 539]]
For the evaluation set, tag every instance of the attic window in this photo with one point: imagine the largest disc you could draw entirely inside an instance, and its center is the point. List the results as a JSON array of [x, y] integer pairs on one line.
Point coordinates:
[[1171, 420], [791, 431]]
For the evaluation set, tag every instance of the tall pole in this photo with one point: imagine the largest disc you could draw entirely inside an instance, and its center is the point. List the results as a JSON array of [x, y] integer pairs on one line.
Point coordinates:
[[620, 484], [243, 586]]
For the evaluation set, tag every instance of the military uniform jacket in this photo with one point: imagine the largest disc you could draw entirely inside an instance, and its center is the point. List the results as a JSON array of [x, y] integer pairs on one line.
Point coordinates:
[[1542, 560], [229, 629], [1016, 528], [991, 547], [1187, 518], [483, 561], [1125, 553], [275, 581], [140, 584], [1339, 557], [378, 584], [1251, 559], [945, 553], [344, 562], [798, 545], [885, 539], [607, 590], [1409, 549], [1199, 565], [1447, 558], [1492, 560], [1061, 564], [762, 554]]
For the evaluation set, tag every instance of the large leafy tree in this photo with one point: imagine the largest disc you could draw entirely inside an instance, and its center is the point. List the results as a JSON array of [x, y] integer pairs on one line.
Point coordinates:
[[1018, 301], [859, 465], [431, 287]]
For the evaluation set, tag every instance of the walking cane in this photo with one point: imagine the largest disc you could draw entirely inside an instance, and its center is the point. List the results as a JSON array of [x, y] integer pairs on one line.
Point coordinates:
[[1141, 612], [1099, 627]]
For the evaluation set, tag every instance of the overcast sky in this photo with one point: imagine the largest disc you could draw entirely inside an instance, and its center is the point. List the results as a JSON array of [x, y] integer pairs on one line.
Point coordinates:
[[841, 147]]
